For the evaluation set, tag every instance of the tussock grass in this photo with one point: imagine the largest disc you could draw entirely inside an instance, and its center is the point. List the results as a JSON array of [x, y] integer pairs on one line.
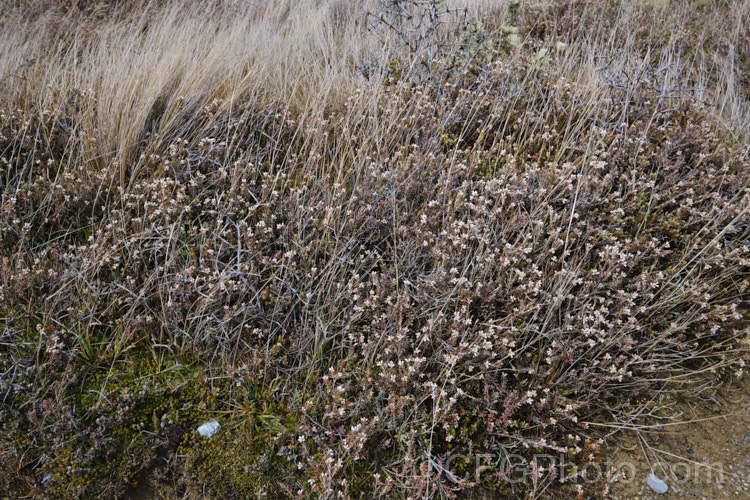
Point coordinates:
[[364, 257]]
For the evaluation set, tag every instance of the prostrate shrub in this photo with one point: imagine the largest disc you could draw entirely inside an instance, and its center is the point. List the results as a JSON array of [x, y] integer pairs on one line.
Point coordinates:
[[399, 288]]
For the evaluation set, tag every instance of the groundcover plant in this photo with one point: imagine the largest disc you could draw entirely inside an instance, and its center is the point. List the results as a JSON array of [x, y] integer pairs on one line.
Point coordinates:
[[395, 249]]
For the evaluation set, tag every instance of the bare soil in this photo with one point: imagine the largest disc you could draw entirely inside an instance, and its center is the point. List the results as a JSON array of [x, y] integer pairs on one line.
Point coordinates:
[[707, 458]]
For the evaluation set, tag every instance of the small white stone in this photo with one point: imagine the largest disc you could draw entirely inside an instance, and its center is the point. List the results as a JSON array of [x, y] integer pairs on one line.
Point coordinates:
[[209, 429], [656, 484]]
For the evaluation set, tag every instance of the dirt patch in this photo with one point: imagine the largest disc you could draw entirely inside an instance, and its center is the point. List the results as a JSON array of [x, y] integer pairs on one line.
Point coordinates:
[[707, 458]]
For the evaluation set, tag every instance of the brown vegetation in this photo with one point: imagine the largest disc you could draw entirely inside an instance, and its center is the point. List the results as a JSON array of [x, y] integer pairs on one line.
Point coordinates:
[[512, 239]]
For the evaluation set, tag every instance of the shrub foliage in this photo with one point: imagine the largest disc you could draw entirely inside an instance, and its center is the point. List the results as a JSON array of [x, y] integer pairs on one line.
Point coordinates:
[[505, 258]]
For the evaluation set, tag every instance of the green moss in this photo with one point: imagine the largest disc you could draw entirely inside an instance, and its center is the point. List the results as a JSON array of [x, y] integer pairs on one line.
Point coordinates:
[[133, 412], [239, 462], [359, 476]]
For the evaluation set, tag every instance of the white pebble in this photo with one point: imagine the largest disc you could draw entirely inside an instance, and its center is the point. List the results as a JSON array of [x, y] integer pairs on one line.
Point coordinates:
[[656, 484], [209, 429]]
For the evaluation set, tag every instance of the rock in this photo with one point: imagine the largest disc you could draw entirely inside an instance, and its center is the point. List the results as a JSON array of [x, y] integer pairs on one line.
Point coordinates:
[[208, 429], [656, 484]]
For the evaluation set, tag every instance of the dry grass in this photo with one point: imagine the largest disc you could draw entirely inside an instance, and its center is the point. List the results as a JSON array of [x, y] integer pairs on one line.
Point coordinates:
[[363, 259]]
